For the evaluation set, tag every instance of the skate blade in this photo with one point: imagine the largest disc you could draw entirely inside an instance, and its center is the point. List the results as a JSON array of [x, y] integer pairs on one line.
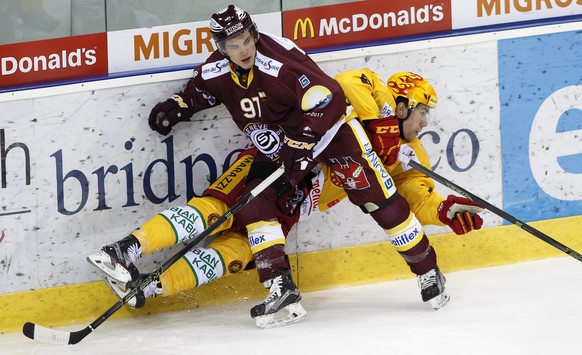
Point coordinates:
[[102, 261], [121, 292], [439, 301], [117, 287], [293, 313]]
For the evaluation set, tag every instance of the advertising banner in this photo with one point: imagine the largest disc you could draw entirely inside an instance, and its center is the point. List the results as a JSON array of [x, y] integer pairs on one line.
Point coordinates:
[[53, 59], [476, 13], [184, 44], [540, 81], [82, 170], [364, 21]]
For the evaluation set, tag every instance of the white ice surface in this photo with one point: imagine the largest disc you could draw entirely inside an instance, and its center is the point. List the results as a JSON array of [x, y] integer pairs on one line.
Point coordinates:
[[527, 308]]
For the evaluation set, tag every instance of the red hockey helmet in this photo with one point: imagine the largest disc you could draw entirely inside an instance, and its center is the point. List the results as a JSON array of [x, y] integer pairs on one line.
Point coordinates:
[[231, 22]]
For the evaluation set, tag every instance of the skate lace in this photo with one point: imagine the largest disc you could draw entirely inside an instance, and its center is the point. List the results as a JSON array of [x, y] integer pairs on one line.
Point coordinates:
[[427, 280], [275, 290], [133, 252], [153, 289]]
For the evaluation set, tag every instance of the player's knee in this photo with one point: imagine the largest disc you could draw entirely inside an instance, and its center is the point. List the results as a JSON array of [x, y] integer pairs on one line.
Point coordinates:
[[233, 247], [389, 213]]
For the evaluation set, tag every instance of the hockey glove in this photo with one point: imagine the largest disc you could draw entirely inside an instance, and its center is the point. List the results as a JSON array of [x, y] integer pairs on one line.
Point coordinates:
[[289, 199], [297, 155], [385, 138], [167, 114], [460, 214]]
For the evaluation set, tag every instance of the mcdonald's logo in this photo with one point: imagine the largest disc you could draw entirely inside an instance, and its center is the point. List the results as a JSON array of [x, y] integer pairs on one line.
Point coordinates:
[[303, 24]]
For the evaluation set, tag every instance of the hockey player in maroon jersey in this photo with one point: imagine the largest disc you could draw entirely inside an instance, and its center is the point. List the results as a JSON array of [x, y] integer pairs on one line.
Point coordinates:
[[294, 114]]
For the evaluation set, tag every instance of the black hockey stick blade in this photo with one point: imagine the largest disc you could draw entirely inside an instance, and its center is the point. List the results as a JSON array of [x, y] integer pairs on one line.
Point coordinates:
[[47, 335], [481, 202]]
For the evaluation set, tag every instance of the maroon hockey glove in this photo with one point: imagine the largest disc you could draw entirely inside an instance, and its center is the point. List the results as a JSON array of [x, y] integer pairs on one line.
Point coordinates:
[[167, 114], [297, 155], [460, 214], [292, 197], [385, 138]]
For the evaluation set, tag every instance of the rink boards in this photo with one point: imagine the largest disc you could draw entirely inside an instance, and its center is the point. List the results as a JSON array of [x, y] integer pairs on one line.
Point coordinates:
[[83, 303]]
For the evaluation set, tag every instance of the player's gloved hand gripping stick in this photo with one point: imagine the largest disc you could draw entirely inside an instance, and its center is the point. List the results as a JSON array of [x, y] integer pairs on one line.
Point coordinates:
[[506, 216]]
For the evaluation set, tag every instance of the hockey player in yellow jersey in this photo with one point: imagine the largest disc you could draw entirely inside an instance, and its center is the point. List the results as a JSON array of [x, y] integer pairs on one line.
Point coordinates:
[[409, 98], [228, 254], [406, 101]]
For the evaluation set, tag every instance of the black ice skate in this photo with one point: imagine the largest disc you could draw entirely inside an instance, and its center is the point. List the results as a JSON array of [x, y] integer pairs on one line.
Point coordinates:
[[432, 288], [116, 261], [153, 289], [281, 307]]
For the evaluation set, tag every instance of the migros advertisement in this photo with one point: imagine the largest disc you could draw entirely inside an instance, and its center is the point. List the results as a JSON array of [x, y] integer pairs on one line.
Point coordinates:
[[184, 44], [475, 13], [364, 21]]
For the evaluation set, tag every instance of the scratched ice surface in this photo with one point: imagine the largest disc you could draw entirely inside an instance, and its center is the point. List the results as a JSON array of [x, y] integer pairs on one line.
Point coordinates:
[[527, 308]]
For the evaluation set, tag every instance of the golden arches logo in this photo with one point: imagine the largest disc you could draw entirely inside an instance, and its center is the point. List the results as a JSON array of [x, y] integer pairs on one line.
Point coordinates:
[[304, 24]]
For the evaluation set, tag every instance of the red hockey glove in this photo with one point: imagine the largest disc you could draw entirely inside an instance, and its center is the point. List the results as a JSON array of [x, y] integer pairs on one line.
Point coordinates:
[[385, 138], [460, 214], [167, 114]]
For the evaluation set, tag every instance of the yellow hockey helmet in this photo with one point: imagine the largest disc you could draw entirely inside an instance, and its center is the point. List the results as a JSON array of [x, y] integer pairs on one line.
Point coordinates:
[[414, 88]]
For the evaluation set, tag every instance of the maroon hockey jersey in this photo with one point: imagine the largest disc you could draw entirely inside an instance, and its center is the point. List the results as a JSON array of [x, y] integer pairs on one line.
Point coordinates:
[[277, 97]]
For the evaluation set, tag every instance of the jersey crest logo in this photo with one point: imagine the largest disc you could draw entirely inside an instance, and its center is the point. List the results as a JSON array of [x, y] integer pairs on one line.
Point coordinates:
[[348, 174], [267, 139]]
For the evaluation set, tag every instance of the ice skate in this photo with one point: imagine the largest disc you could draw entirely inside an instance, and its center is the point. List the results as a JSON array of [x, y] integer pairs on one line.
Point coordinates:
[[432, 288], [153, 289], [281, 307], [116, 261]]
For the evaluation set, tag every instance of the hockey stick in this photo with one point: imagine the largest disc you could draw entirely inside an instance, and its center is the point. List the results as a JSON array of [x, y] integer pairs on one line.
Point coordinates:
[[506, 216], [46, 335]]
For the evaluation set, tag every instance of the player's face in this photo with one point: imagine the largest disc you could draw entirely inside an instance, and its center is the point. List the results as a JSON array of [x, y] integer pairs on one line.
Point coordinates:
[[416, 121], [241, 50]]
